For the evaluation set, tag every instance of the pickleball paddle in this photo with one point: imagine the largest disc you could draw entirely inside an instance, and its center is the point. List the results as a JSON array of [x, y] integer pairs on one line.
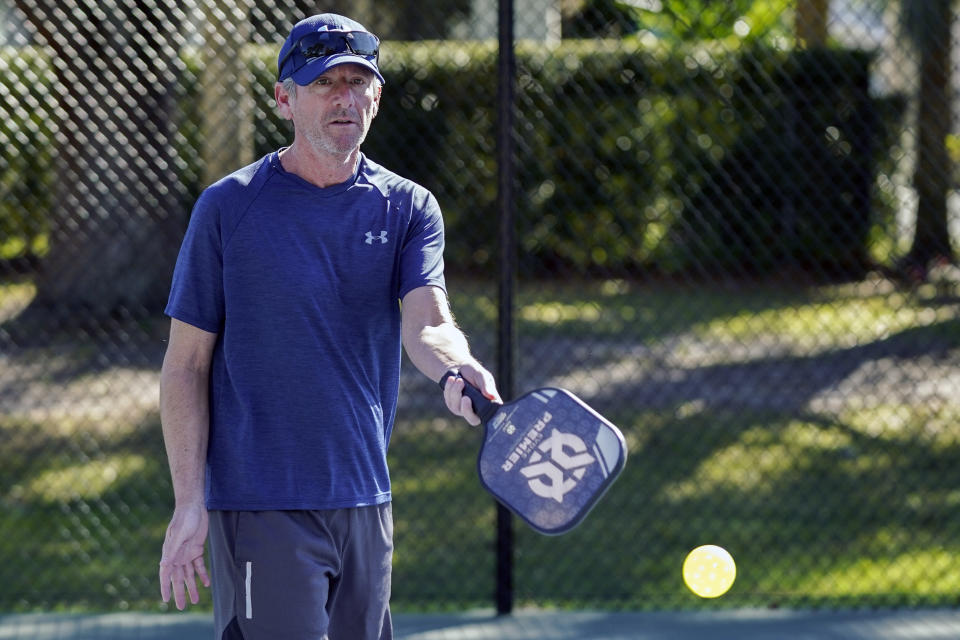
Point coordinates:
[[547, 456]]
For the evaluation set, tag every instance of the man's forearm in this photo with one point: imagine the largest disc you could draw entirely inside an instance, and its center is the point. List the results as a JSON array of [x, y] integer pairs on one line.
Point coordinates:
[[431, 338], [184, 416], [435, 345], [439, 349]]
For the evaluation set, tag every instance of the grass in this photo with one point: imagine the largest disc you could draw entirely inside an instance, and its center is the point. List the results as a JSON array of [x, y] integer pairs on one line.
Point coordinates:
[[844, 492]]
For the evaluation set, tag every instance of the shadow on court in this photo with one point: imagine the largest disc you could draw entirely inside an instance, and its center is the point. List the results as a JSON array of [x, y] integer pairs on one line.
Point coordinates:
[[750, 624]]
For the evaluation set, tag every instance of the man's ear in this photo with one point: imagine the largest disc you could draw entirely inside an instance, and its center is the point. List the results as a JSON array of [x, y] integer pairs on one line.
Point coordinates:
[[376, 100], [282, 98]]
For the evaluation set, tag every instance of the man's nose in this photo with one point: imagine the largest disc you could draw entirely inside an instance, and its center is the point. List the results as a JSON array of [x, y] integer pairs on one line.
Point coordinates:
[[343, 93]]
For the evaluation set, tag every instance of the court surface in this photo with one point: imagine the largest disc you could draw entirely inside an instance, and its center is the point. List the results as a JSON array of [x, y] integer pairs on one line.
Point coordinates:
[[749, 624]]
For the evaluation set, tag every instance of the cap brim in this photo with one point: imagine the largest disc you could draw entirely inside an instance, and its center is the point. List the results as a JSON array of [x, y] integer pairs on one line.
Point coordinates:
[[316, 68]]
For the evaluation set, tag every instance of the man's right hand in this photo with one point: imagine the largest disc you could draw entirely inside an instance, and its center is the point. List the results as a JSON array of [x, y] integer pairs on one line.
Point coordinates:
[[182, 558], [457, 402]]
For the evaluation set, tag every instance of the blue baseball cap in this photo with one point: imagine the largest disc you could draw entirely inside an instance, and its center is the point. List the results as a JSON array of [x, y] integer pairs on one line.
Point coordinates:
[[321, 42]]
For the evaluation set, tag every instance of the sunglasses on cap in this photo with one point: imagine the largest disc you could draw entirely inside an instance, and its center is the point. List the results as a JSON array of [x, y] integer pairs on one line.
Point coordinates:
[[321, 44]]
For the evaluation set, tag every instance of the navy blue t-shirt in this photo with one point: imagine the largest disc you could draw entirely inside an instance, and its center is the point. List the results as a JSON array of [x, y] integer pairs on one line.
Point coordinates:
[[303, 287]]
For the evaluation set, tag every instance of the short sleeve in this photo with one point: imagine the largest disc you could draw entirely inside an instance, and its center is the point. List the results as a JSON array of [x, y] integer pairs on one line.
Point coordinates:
[[421, 261], [196, 294]]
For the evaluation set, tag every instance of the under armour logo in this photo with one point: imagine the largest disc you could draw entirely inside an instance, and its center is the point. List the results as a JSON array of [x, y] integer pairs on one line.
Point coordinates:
[[554, 470], [382, 237]]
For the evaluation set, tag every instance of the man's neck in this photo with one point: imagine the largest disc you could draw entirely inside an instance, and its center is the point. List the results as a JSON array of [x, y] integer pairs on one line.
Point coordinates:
[[320, 170]]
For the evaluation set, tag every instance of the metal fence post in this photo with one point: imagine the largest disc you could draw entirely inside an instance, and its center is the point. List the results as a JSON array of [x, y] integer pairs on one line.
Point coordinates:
[[508, 268]]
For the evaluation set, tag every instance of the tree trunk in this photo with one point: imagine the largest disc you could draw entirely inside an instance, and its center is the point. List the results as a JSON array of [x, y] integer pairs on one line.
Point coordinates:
[[811, 22], [931, 239], [120, 212]]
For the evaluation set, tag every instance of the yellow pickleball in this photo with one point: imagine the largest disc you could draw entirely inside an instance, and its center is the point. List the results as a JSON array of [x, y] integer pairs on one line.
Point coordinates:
[[709, 571]]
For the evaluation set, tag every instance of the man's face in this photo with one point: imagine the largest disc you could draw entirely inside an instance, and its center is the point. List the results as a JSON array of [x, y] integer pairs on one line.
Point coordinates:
[[334, 112]]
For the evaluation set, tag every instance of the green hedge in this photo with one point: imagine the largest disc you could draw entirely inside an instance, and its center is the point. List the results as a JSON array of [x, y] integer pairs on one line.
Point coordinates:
[[629, 161], [633, 161], [795, 188]]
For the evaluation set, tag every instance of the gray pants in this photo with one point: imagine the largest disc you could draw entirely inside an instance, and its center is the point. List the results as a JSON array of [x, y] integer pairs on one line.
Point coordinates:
[[302, 575]]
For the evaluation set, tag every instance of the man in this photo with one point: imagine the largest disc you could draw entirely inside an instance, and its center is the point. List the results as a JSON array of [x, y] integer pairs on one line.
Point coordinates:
[[299, 278]]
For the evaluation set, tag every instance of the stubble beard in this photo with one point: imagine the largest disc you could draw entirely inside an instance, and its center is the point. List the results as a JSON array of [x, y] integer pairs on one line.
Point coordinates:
[[338, 145]]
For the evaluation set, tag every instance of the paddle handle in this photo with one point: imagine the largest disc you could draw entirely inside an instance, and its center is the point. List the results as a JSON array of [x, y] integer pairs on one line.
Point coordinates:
[[482, 406]]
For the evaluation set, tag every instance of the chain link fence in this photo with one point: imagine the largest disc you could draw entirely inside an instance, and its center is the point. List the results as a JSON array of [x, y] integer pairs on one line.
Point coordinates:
[[733, 226]]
